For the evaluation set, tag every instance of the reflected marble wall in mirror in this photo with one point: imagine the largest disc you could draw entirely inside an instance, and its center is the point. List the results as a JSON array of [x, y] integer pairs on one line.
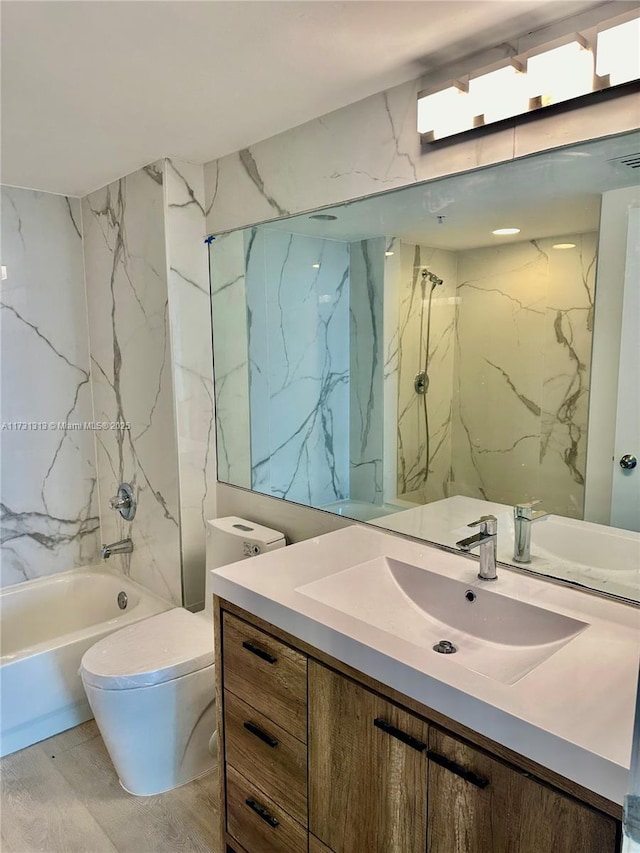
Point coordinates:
[[398, 360]]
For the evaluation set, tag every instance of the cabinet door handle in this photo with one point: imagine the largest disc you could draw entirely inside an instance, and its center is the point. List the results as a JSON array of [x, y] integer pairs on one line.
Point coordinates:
[[467, 775], [413, 742], [256, 650], [259, 733], [262, 812]]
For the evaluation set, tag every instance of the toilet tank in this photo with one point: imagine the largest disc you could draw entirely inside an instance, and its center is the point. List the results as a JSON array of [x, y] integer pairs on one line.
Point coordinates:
[[231, 539]]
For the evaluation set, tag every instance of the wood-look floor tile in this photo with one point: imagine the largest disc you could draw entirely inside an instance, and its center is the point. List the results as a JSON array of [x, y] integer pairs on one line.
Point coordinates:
[[63, 796], [165, 823], [40, 810], [72, 737]]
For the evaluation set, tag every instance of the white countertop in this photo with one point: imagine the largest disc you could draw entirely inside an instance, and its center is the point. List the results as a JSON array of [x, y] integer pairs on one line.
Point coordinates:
[[573, 713]]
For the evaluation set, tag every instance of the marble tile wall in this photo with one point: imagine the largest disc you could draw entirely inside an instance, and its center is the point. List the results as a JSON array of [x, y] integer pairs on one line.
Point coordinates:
[[49, 514], [190, 321], [231, 357], [373, 145], [366, 372], [391, 354], [298, 305], [413, 294], [129, 329], [523, 344]]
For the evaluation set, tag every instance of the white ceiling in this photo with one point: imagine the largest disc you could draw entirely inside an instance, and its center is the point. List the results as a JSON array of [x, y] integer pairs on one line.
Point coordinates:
[[93, 90]]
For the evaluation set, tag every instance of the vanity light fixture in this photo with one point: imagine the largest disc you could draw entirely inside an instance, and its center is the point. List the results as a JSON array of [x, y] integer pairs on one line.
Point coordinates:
[[499, 92], [560, 74], [388, 254], [500, 232], [563, 246], [566, 69], [446, 112], [618, 50], [315, 266]]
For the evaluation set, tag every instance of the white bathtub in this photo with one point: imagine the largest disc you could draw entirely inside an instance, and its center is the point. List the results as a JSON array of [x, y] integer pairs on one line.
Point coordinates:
[[363, 511], [46, 625]]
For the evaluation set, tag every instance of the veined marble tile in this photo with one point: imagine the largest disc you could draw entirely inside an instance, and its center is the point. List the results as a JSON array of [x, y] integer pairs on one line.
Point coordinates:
[[330, 160], [391, 347], [366, 376], [231, 358], [49, 514], [190, 320], [416, 296], [298, 302], [523, 340], [127, 290], [567, 368]]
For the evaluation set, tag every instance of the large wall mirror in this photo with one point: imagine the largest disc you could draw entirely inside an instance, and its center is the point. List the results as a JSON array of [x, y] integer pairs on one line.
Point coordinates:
[[423, 357]]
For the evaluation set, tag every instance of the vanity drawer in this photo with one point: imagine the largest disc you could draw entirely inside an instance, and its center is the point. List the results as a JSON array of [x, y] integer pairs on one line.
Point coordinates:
[[266, 753], [267, 674], [257, 822]]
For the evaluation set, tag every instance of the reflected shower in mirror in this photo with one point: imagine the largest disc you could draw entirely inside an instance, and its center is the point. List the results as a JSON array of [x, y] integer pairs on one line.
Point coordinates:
[[425, 356]]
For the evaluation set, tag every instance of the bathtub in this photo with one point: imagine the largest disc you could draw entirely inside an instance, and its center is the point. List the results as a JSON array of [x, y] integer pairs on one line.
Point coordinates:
[[363, 511], [46, 625]]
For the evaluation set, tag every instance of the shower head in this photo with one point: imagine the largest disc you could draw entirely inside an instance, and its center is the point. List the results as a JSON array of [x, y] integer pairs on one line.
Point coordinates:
[[432, 277]]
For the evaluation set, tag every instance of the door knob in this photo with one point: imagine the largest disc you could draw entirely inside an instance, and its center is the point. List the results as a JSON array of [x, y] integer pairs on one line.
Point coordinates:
[[628, 462]]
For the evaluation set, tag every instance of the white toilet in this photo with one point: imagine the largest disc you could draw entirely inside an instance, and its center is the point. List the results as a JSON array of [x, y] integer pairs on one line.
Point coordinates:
[[151, 686]]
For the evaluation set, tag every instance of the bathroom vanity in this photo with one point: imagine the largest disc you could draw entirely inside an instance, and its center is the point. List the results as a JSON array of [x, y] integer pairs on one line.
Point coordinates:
[[342, 729]]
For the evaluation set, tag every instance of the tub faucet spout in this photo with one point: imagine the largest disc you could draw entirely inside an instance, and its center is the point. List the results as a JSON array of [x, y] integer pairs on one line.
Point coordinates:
[[124, 546]]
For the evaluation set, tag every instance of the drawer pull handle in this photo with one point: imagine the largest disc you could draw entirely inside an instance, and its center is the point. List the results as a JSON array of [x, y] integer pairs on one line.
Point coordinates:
[[413, 742], [467, 775], [259, 733], [262, 812], [256, 650]]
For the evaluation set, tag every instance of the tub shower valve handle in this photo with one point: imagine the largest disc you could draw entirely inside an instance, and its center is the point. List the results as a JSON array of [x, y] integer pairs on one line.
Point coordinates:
[[124, 502]]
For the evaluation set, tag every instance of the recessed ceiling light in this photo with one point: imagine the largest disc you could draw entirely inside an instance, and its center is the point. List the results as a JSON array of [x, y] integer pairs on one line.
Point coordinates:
[[323, 217], [502, 231], [316, 266], [564, 246], [388, 254]]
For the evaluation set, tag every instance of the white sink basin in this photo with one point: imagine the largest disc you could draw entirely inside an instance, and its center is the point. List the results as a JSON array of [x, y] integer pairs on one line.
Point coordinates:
[[594, 545], [497, 636], [594, 555]]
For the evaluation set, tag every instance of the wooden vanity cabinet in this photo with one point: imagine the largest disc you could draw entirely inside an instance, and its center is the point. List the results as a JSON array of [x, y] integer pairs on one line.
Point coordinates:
[[317, 758], [367, 768], [263, 728], [478, 804]]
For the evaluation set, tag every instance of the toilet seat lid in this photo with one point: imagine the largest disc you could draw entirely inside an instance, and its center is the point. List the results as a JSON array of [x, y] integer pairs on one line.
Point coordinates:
[[151, 651]]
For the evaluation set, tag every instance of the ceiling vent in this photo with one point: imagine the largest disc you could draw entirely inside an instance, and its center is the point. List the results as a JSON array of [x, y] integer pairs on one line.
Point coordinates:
[[629, 161]]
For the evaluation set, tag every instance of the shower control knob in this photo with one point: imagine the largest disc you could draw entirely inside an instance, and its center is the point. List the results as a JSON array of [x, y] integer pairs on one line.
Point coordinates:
[[628, 462], [124, 502], [120, 503]]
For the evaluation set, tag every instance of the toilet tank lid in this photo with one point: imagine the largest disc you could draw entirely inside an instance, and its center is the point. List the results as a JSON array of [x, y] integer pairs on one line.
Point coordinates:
[[245, 529], [151, 651]]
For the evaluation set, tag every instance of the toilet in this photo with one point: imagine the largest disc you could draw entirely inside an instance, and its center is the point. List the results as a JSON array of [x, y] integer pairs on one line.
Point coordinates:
[[151, 686]]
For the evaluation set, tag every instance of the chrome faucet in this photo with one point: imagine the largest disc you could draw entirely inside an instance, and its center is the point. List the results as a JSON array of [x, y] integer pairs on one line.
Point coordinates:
[[523, 517], [486, 541], [124, 546]]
